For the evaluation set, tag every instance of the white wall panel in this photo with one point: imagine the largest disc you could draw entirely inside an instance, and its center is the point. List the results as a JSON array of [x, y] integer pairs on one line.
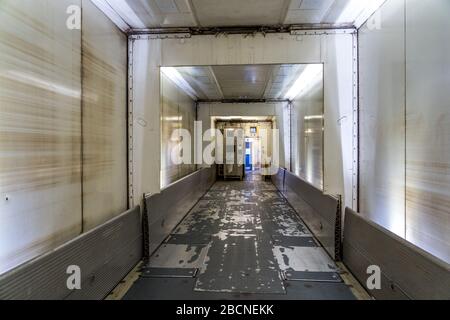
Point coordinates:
[[146, 154], [59, 88], [104, 118], [170, 121], [188, 115], [237, 49], [283, 124], [405, 148], [40, 129], [382, 119], [178, 111], [428, 126], [308, 135], [337, 56]]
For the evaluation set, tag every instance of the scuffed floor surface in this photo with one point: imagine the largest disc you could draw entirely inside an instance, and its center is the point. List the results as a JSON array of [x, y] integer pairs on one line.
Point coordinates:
[[241, 241]]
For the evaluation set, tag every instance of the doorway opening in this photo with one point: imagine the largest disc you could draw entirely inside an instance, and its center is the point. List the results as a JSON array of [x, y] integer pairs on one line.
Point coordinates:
[[249, 155]]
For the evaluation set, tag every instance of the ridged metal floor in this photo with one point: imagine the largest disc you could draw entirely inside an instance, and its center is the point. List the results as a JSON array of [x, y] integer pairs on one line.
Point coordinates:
[[241, 241]]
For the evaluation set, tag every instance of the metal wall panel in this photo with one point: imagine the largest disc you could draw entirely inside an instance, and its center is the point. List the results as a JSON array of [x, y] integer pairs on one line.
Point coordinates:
[[188, 115], [40, 129], [407, 271], [382, 119], [339, 123], [145, 96], [178, 111], [170, 121], [59, 88], [278, 179], [322, 213], [307, 125], [165, 210], [104, 118], [238, 49], [104, 255], [428, 126], [405, 175]]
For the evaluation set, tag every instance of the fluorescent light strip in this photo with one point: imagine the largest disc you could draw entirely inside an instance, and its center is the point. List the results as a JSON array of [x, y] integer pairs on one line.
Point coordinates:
[[178, 79], [359, 11], [310, 76], [320, 117], [104, 6]]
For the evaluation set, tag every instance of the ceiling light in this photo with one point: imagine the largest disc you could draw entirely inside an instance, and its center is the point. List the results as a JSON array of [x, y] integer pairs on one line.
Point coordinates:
[[319, 117], [310, 76], [358, 11], [177, 78]]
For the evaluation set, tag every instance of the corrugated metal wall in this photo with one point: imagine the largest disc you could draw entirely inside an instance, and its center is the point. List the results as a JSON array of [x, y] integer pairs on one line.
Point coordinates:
[[405, 126], [45, 172]]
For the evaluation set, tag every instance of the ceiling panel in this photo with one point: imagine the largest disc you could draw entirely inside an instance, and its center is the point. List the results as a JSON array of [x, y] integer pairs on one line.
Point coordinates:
[[239, 12], [241, 82], [139, 14], [308, 11], [156, 13], [203, 81]]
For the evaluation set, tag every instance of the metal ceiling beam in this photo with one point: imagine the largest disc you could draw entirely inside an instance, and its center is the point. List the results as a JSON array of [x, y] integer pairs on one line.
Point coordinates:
[[219, 88], [248, 30], [244, 101]]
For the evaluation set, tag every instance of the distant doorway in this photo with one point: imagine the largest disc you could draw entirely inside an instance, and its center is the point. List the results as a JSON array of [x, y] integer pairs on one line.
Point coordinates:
[[248, 156]]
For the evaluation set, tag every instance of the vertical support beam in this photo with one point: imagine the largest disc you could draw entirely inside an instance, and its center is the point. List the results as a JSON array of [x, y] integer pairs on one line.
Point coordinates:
[[82, 120], [291, 158], [131, 201], [355, 170]]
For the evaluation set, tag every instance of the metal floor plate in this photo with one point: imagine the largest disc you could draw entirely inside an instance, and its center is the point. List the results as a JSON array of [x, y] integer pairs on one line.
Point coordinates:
[[241, 264], [241, 241], [192, 239], [168, 272], [283, 241], [304, 259], [162, 289], [178, 256], [312, 276]]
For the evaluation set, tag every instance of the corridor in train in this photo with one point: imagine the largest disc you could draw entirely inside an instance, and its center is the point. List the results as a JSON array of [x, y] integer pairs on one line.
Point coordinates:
[[210, 149], [242, 240]]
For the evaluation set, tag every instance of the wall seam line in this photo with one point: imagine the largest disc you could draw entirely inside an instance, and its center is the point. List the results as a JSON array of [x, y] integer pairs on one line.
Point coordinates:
[[82, 117]]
